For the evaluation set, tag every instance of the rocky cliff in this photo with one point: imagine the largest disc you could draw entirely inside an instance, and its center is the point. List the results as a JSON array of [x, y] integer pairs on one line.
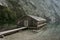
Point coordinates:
[[49, 9]]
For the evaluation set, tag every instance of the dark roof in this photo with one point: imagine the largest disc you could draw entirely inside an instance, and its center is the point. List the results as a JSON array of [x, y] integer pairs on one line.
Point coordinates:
[[37, 18]]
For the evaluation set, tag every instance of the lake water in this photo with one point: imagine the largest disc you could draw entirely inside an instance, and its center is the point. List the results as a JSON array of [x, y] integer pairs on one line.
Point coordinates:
[[50, 32]]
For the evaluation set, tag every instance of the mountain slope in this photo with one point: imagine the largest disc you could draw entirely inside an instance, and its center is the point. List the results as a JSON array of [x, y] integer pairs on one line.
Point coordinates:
[[49, 9]]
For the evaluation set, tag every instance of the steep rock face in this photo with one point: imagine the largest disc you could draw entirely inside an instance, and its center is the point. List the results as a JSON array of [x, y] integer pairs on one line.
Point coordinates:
[[46, 8], [49, 9]]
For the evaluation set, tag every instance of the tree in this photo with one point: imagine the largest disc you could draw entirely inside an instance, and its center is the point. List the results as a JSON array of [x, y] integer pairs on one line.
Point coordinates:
[[16, 7]]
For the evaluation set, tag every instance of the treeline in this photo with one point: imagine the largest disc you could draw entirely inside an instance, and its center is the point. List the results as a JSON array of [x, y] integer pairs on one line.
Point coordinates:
[[9, 15], [6, 15]]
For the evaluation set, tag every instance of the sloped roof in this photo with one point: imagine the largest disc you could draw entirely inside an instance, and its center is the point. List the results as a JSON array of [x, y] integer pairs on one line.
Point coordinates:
[[37, 18], [0, 3], [3, 3]]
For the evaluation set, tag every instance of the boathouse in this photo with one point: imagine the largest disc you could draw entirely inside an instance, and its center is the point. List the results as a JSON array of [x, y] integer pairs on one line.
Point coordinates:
[[31, 21]]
